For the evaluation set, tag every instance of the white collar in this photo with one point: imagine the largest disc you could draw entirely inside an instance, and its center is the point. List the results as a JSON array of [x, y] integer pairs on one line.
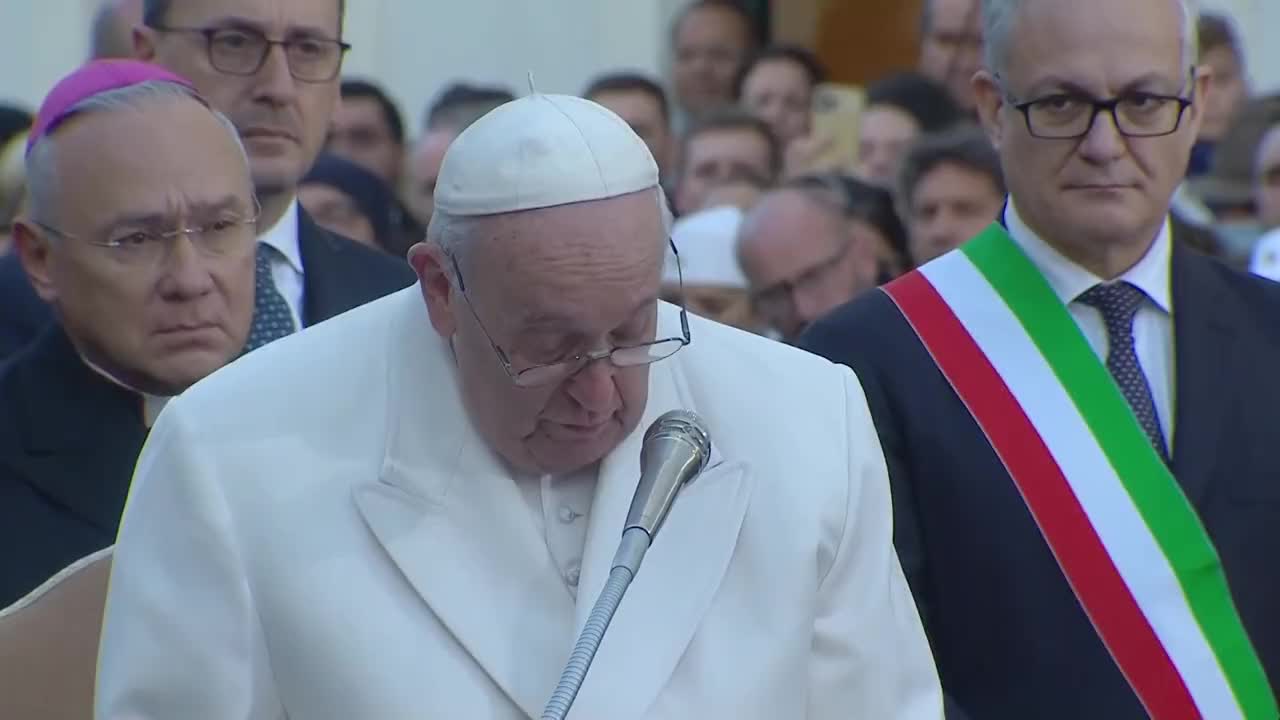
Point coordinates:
[[1069, 280], [283, 236], [151, 404]]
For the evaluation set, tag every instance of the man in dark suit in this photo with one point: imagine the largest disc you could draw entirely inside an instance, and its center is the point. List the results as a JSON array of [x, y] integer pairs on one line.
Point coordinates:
[[1093, 111], [25, 314], [140, 234], [281, 98]]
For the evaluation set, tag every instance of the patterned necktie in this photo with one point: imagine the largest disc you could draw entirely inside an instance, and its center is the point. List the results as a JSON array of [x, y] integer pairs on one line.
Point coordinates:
[[1119, 303], [272, 319]]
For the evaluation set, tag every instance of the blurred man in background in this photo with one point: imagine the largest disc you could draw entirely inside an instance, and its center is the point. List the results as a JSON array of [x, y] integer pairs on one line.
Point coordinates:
[[643, 104], [1222, 53], [452, 112], [802, 258], [273, 68], [725, 148], [777, 85], [367, 129], [111, 30], [140, 233], [950, 187], [710, 39], [951, 46], [899, 109]]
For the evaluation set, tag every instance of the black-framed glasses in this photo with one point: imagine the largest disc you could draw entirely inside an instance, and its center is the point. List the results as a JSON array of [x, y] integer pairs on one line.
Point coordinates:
[[775, 299], [222, 233], [1071, 116], [622, 356], [242, 51]]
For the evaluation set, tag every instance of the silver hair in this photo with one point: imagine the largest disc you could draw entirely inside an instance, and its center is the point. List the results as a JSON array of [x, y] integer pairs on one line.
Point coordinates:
[[451, 233], [41, 163], [998, 18]]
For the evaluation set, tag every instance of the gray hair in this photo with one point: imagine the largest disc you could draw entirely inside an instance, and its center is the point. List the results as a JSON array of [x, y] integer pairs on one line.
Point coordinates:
[[997, 31], [451, 233], [41, 163]]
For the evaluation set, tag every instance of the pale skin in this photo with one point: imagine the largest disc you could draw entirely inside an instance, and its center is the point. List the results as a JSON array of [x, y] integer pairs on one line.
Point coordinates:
[[1099, 200], [282, 121], [156, 328], [547, 285]]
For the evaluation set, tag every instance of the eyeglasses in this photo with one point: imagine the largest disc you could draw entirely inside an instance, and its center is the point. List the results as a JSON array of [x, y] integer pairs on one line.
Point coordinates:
[[221, 235], [776, 300], [1071, 116], [622, 357], [240, 51]]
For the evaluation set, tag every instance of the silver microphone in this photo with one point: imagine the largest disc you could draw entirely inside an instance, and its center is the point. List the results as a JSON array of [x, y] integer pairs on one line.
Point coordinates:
[[676, 449]]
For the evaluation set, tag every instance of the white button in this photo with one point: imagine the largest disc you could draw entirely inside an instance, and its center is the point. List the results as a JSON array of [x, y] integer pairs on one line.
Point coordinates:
[[568, 514], [572, 574]]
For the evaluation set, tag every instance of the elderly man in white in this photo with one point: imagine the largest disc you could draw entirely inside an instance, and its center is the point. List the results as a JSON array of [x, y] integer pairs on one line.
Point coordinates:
[[426, 538]]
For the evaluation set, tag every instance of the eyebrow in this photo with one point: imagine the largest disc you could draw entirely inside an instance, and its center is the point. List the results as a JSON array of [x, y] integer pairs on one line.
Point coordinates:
[[239, 23], [1054, 83], [198, 207]]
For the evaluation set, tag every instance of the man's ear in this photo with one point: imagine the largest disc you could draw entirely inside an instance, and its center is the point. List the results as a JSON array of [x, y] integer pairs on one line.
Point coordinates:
[[144, 43], [989, 99], [36, 255], [435, 279]]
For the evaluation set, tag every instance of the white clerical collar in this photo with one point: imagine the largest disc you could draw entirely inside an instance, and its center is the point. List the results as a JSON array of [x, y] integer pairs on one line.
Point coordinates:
[[283, 237], [1069, 280], [151, 404]]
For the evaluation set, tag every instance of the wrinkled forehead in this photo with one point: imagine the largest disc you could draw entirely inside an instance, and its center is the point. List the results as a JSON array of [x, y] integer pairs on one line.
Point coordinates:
[[1097, 46], [318, 17]]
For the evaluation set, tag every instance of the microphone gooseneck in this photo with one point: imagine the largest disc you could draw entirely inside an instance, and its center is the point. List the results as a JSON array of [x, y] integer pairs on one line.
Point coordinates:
[[676, 449]]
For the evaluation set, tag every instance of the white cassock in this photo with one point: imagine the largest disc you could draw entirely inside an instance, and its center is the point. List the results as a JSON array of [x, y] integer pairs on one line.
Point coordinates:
[[317, 532]]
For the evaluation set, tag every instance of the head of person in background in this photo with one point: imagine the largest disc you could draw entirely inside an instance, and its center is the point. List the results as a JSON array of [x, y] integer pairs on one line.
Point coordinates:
[[708, 271], [641, 102], [453, 110], [776, 85], [951, 46], [14, 123], [367, 129], [111, 30], [1266, 182], [1230, 189], [280, 97], [802, 256], [950, 188], [351, 201], [1222, 54], [140, 228], [726, 147], [871, 214], [710, 39], [899, 109]]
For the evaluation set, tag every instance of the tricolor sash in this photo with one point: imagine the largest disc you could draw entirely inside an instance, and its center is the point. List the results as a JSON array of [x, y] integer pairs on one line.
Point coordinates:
[[1126, 537]]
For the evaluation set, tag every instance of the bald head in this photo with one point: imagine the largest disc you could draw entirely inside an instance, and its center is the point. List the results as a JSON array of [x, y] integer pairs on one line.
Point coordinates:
[[112, 29]]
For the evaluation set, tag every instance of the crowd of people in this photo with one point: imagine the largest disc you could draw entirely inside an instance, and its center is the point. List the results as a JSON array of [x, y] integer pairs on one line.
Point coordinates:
[[210, 183]]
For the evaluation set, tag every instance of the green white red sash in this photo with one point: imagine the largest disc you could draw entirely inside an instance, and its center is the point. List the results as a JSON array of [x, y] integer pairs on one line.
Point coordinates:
[[1127, 539]]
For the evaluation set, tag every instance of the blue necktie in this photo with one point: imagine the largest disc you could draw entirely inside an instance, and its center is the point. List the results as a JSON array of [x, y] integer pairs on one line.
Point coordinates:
[[272, 319], [1119, 303]]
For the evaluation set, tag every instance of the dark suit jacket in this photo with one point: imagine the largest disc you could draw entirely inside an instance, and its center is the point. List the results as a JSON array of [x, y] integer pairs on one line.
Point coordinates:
[[22, 313], [1009, 636], [338, 274], [68, 442]]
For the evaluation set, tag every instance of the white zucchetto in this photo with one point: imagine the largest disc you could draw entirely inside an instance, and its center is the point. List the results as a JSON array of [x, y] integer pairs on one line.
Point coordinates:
[[541, 151]]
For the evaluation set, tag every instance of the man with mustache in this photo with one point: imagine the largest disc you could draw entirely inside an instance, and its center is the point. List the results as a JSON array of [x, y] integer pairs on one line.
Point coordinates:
[[140, 235], [273, 67]]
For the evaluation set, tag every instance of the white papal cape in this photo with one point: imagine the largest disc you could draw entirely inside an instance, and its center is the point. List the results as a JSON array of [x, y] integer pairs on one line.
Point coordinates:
[[317, 532]]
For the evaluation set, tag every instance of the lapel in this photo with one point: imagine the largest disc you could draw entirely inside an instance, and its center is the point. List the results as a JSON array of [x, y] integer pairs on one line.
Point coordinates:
[[323, 271], [448, 514], [1204, 353], [82, 433], [681, 572]]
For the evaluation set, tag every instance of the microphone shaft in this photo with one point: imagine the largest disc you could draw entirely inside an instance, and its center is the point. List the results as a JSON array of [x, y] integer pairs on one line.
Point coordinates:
[[635, 543]]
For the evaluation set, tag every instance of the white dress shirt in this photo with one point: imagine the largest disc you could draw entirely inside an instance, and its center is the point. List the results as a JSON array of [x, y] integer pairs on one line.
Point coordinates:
[[1266, 256], [286, 262], [560, 508], [1152, 326]]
